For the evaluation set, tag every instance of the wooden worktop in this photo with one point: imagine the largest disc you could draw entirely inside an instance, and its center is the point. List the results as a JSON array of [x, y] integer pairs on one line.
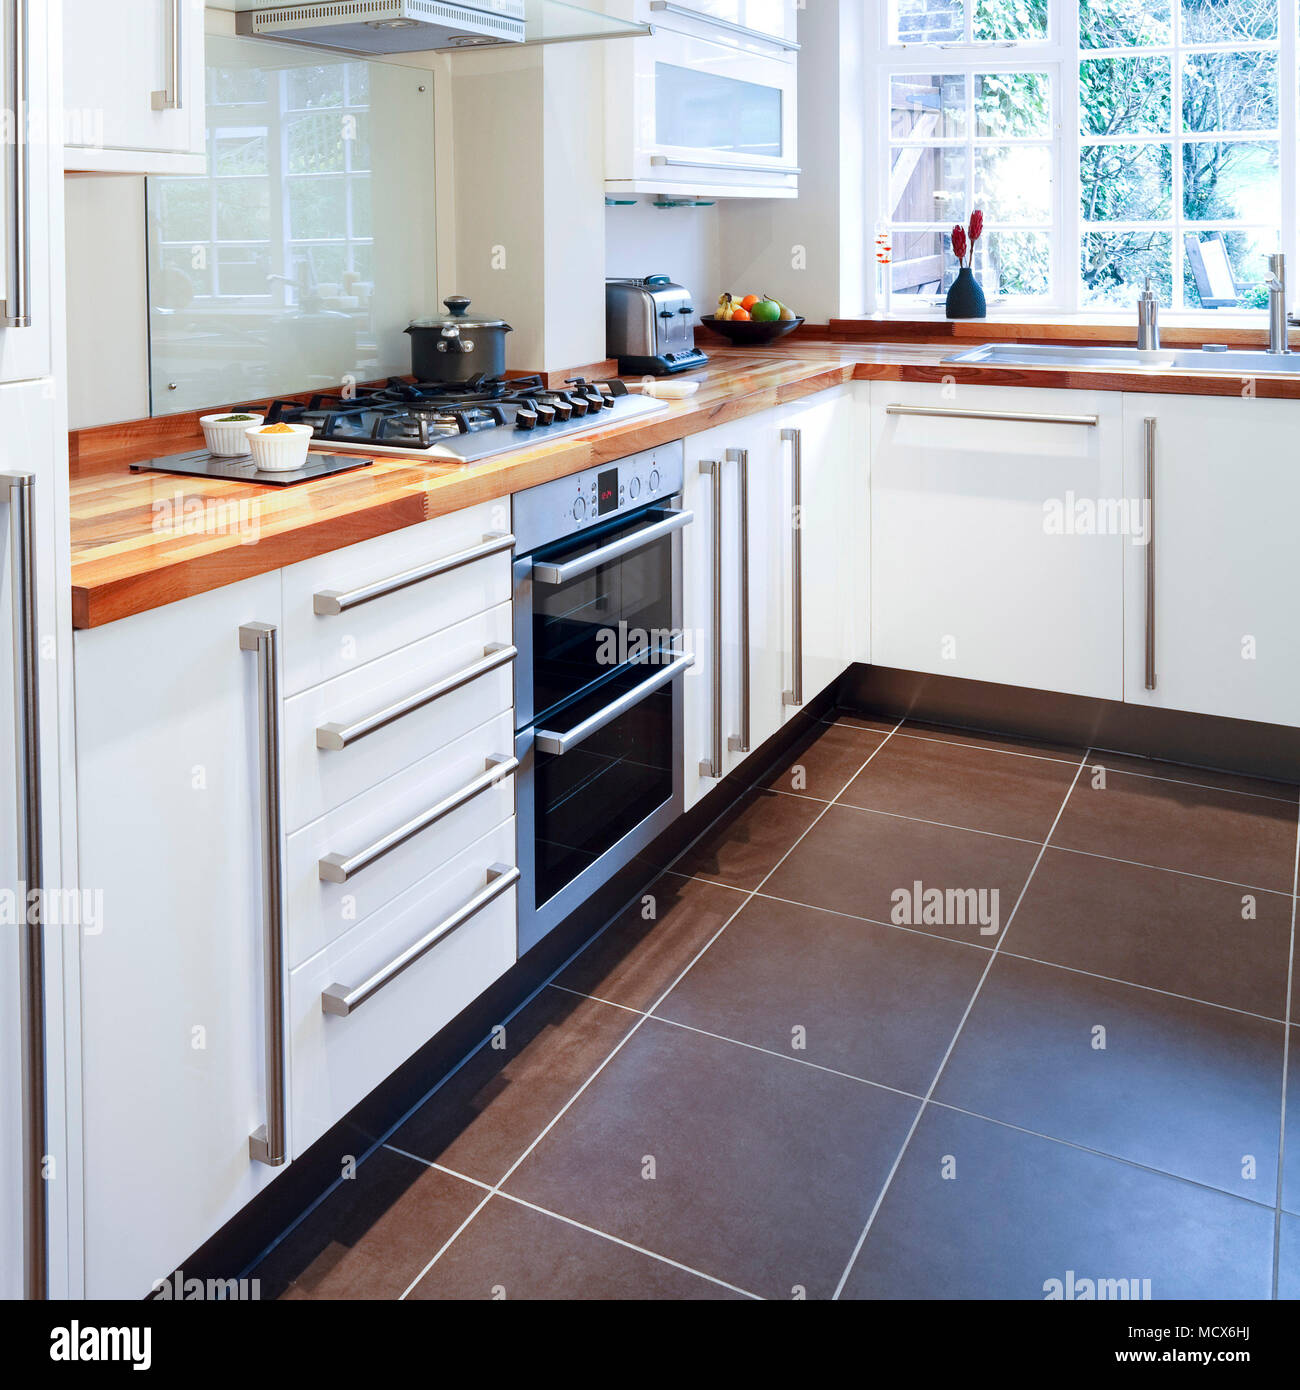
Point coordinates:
[[141, 540]]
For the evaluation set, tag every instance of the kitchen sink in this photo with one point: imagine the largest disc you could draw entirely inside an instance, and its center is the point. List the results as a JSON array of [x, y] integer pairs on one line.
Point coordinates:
[[1167, 359]]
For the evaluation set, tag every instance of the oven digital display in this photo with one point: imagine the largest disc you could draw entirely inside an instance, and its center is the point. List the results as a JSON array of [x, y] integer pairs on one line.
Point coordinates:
[[606, 491]]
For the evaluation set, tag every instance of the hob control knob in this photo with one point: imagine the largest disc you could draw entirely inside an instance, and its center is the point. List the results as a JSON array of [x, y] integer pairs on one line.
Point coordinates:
[[654, 480], [634, 488], [579, 508]]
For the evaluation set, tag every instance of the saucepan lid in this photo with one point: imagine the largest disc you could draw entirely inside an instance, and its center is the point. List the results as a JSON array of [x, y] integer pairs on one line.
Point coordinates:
[[458, 315]]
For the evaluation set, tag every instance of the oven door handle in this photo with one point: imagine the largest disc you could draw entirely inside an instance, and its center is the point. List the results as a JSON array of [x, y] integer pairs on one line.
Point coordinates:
[[615, 550], [548, 741]]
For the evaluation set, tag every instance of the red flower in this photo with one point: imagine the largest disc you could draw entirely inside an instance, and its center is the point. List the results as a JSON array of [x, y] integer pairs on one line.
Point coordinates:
[[976, 227], [959, 243]]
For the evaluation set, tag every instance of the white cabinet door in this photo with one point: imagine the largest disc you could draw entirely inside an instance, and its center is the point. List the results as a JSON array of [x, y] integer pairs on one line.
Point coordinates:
[[174, 1024], [133, 86], [1226, 566], [995, 553], [833, 519], [29, 211]]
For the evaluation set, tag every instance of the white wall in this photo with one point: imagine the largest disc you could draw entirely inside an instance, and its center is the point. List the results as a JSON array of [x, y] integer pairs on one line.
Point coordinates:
[[680, 242]]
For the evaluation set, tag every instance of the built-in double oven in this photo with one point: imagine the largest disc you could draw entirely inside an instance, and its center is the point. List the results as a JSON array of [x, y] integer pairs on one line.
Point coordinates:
[[598, 677]]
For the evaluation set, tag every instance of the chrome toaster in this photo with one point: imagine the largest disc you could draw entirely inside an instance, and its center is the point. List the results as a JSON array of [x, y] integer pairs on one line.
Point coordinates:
[[650, 326]]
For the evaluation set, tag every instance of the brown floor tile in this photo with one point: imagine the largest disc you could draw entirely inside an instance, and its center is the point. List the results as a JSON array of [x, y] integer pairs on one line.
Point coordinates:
[[742, 846], [1016, 1211], [512, 1252], [1203, 776], [1182, 1087], [975, 788], [824, 766], [981, 738], [485, 1115], [872, 1001], [1221, 834], [765, 1171], [855, 861], [851, 720], [1157, 928], [372, 1235], [638, 956]]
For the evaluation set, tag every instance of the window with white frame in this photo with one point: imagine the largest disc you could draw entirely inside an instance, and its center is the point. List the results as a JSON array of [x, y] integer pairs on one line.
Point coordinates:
[[1106, 141]]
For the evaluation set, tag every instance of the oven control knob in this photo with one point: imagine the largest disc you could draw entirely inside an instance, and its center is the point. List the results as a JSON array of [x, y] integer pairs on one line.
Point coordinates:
[[634, 488], [654, 480], [580, 509]]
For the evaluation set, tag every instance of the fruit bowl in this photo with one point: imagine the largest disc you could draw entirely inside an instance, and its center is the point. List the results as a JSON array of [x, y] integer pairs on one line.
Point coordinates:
[[749, 334]]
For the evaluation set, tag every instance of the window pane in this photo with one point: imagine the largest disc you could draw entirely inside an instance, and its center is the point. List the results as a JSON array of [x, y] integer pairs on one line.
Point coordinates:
[[1239, 180], [1220, 21], [183, 208], [1230, 91], [923, 263], [1015, 263], [244, 210], [1013, 183], [1125, 183], [924, 107], [187, 271], [1013, 103], [315, 143], [1115, 266], [239, 152], [1247, 254], [921, 21], [927, 184], [315, 86], [1125, 96], [1123, 23], [317, 208], [1010, 19]]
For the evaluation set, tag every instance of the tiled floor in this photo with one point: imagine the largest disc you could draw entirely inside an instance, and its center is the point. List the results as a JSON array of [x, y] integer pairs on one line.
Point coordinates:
[[789, 1070]]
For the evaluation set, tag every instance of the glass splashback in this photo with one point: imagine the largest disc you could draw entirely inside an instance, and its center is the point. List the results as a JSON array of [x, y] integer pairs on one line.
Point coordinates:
[[298, 259]]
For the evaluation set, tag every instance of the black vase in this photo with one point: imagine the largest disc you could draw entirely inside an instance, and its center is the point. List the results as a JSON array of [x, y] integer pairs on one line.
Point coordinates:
[[965, 298]]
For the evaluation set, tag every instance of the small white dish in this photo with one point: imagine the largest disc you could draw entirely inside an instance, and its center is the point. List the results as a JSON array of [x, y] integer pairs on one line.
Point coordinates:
[[670, 390], [279, 452], [224, 436]]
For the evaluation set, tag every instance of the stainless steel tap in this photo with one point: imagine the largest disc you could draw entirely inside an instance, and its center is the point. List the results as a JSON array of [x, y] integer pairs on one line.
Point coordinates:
[[1277, 319], [1148, 320]]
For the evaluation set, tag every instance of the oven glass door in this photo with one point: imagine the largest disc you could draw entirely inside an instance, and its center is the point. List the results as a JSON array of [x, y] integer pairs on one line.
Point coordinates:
[[591, 615], [587, 797]]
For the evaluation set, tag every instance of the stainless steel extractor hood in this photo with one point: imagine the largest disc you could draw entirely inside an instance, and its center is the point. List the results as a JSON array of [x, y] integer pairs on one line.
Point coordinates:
[[387, 26]]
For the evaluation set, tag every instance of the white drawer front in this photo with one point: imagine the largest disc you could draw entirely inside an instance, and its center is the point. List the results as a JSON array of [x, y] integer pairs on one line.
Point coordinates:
[[337, 1060], [318, 779], [318, 645], [321, 909]]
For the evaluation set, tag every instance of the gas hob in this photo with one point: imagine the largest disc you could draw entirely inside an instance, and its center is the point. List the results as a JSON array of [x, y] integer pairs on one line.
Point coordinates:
[[463, 422]]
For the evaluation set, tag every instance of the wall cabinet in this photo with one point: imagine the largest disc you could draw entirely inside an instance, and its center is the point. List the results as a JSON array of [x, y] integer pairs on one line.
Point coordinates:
[[133, 86], [174, 1022], [992, 553], [707, 104], [1220, 613]]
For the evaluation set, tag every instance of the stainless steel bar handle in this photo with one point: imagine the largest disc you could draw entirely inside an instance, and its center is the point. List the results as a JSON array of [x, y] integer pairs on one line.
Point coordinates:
[[941, 412], [794, 696], [343, 1000], [557, 744], [740, 30], [1149, 429], [330, 602], [333, 737], [339, 868], [267, 1144], [17, 311], [625, 545], [712, 765], [739, 743], [20, 494], [663, 161], [171, 98]]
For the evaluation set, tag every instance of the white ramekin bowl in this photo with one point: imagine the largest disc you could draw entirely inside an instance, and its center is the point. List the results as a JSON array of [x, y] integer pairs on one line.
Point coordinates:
[[278, 453], [228, 440]]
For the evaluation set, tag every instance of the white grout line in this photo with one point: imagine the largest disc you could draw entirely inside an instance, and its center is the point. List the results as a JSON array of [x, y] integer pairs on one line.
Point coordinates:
[[580, 1225], [916, 1120], [1286, 1063]]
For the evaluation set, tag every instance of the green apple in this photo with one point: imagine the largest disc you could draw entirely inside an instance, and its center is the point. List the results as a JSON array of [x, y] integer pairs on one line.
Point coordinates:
[[765, 311]]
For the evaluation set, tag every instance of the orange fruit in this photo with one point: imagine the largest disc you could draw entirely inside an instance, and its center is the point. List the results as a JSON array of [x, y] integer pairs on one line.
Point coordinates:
[[740, 316], [749, 301]]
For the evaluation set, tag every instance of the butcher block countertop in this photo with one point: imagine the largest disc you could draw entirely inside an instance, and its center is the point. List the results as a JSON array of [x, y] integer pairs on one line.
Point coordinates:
[[141, 540]]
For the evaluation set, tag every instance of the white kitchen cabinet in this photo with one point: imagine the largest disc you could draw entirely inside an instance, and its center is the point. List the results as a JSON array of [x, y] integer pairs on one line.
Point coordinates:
[[133, 86], [173, 1016], [1225, 565], [993, 555], [707, 104]]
